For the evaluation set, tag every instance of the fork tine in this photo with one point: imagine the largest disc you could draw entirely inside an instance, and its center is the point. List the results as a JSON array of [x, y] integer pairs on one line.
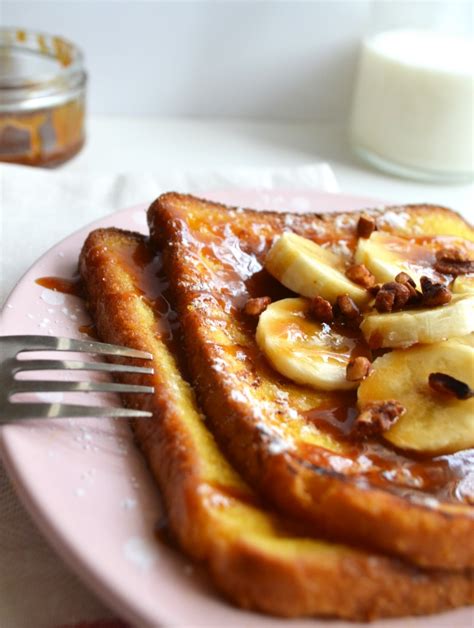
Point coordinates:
[[28, 386], [40, 343], [75, 365], [64, 410]]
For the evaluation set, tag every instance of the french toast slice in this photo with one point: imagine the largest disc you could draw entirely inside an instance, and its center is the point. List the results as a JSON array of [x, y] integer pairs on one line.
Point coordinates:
[[256, 558], [363, 493]]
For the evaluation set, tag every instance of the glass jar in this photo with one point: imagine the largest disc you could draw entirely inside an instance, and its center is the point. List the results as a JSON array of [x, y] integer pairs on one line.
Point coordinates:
[[413, 106], [42, 98]]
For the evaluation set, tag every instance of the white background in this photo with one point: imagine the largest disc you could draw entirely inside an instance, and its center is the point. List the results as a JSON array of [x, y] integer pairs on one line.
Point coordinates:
[[267, 59]]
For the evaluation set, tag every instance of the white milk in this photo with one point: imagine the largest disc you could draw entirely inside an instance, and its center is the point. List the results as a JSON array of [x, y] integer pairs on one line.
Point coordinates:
[[413, 108]]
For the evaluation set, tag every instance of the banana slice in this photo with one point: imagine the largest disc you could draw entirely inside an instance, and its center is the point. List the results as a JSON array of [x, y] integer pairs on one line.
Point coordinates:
[[432, 422], [310, 270], [463, 284], [303, 350], [386, 255], [406, 328]]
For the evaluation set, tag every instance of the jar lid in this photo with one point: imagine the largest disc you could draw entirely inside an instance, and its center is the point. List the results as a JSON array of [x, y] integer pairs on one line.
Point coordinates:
[[37, 70]]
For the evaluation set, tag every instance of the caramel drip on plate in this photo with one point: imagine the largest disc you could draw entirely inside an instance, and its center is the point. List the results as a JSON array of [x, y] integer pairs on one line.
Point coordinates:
[[61, 284]]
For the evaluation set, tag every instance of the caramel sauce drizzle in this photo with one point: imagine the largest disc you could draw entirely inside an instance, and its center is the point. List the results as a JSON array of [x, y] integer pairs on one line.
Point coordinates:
[[89, 330], [61, 284], [146, 268], [63, 124], [374, 462], [380, 464]]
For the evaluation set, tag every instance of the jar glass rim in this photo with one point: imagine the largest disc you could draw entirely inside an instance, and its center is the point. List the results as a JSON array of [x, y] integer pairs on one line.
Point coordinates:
[[38, 69]]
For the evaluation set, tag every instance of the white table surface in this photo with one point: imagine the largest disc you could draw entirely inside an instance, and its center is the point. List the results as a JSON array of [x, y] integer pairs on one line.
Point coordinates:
[[120, 144]]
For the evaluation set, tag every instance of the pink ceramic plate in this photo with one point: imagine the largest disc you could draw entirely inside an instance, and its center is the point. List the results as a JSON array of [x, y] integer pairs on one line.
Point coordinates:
[[87, 486]]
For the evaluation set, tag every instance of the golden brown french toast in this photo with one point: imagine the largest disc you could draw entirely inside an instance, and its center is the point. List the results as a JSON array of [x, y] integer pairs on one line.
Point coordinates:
[[256, 558], [290, 441]]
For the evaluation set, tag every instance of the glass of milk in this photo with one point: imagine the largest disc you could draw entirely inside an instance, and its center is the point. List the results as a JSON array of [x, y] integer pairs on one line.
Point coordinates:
[[413, 106]]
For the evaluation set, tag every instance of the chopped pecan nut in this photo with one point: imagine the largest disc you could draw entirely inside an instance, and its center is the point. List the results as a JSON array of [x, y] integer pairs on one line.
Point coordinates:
[[392, 296], [405, 279], [434, 294], [402, 293], [377, 417], [360, 274], [450, 386], [452, 254], [358, 369], [416, 297], [453, 261], [255, 307], [347, 308], [365, 226], [384, 300], [454, 268], [321, 310], [373, 290]]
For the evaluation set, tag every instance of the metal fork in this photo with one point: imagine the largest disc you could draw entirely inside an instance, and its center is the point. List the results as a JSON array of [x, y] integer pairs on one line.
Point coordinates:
[[10, 365]]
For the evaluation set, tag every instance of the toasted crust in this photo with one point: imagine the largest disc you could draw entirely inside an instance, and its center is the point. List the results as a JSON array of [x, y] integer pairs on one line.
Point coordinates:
[[251, 553], [212, 253]]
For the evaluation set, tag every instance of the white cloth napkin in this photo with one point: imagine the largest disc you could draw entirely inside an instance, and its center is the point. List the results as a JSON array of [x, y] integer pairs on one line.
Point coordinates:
[[38, 208]]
